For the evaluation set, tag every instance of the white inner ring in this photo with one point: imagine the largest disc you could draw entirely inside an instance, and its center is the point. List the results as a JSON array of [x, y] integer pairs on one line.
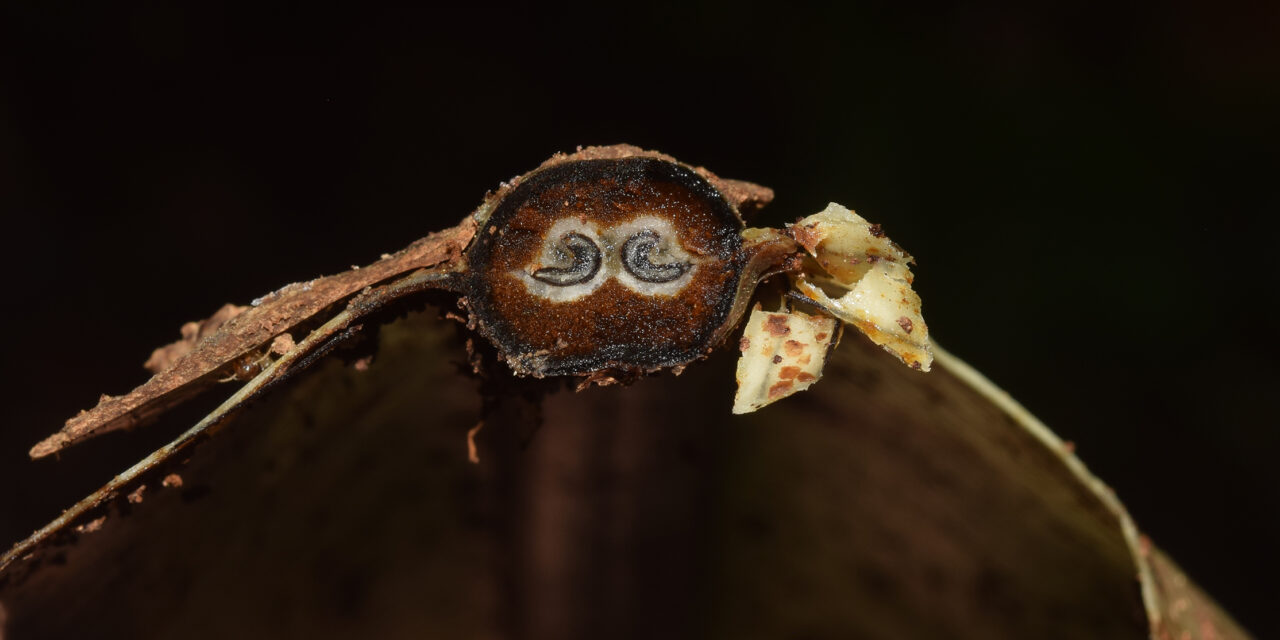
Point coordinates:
[[610, 242]]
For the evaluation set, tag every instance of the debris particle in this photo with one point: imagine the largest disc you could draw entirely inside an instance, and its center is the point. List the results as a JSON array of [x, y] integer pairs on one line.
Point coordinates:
[[363, 363], [136, 496], [905, 323], [472, 453], [777, 359], [744, 344], [171, 481], [91, 526], [282, 344]]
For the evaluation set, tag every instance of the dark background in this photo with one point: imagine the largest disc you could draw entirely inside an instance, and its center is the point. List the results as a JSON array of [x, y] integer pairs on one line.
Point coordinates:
[[1090, 193]]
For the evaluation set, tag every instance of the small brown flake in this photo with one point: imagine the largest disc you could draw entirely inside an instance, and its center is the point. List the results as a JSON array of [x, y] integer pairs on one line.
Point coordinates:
[[136, 496], [473, 454], [788, 373], [905, 323], [171, 481], [876, 231], [744, 344], [806, 377], [92, 525], [777, 359], [363, 363], [282, 344]]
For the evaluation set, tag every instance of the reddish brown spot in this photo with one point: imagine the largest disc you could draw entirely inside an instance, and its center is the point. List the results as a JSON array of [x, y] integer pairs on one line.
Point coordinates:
[[744, 344], [821, 336], [777, 325], [777, 359], [806, 377], [905, 323], [916, 365], [788, 373], [793, 348], [876, 231], [1068, 446], [172, 480], [136, 496], [779, 389], [873, 259]]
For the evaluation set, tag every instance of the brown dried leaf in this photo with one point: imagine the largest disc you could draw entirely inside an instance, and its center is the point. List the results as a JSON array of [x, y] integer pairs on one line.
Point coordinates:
[[207, 348]]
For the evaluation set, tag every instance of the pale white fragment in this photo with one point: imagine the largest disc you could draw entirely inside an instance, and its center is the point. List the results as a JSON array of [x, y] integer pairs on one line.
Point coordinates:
[[782, 353], [865, 281]]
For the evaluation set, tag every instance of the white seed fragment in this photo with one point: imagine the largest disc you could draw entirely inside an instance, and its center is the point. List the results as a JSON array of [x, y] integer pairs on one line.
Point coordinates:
[[863, 280], [782, 353]]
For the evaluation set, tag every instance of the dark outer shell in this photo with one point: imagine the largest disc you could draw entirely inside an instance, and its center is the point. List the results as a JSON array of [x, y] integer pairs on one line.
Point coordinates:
[[613, 328]]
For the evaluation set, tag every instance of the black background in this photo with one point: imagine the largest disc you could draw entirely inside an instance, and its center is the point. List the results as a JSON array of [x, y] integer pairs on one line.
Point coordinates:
[[1090, 193]]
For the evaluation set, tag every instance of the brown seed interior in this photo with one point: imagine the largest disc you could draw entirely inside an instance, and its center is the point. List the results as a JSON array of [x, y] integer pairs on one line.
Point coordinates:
[[613, 324]]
